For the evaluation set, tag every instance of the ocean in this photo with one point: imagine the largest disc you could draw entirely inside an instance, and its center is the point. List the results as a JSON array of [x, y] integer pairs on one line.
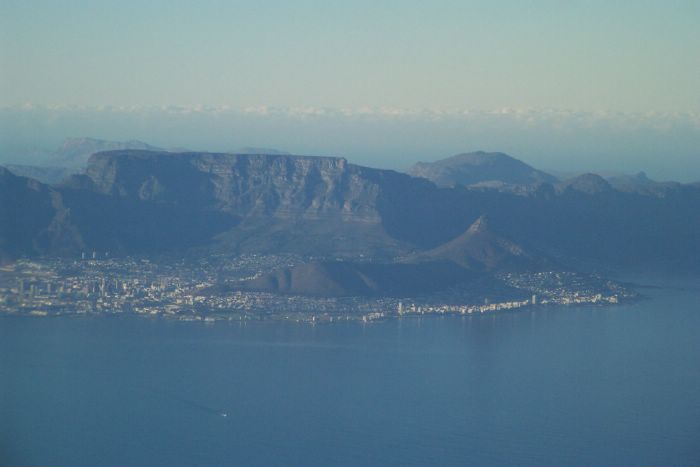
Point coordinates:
[[551, 386]]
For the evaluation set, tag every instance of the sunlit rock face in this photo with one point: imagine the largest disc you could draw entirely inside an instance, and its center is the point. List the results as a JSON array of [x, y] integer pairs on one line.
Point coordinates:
[[243, 184]]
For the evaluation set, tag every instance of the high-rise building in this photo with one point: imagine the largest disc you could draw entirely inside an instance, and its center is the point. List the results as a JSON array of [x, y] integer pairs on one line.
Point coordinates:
[[534, 299]]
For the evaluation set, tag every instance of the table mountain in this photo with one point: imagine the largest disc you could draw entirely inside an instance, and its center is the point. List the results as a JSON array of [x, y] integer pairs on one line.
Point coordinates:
[[152, 203], [75, 152]]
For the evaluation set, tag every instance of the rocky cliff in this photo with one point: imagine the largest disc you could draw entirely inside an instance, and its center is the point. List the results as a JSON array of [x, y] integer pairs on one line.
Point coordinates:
[[242, 184], [142, 202]]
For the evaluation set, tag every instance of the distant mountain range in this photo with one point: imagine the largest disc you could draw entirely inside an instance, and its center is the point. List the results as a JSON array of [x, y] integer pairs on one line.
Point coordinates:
[[152, 203], [75, 152], [71, 158], [487, 169], [45, 174]]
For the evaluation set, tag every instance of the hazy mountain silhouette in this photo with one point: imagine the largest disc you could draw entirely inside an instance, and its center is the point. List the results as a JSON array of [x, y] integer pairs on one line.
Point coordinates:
[[45, 174], [145, 202], [480, 168], [75, 152]]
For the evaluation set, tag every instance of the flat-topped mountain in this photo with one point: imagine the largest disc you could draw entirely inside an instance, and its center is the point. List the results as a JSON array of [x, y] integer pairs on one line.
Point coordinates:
[[154, 202], [74, 152], [303, 204], [71, 158], [482, 169], [241, 184]]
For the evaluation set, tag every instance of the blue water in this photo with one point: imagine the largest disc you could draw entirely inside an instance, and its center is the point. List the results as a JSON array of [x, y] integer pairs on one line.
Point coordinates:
[[567, 386]]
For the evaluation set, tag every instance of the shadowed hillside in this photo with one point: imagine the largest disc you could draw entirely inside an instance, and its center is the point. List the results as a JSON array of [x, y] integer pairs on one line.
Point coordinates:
[[151, 203], [482, 169]]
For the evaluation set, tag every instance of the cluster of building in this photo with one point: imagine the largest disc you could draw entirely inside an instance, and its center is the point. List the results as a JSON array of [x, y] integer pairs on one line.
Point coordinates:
[[566, 288], [187, 290], [416, 309]]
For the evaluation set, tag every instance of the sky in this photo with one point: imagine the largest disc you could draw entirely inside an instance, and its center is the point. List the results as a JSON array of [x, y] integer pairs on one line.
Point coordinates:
[[404, 60]]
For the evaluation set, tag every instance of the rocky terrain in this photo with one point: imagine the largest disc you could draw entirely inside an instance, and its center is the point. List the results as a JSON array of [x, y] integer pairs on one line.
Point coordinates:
[[136, 202]]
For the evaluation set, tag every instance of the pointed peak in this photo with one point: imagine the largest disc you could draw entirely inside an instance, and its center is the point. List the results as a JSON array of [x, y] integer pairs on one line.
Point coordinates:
[[480, 225]]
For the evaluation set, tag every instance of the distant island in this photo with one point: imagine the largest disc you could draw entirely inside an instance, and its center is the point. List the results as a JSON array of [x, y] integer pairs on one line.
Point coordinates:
[[196, 235]]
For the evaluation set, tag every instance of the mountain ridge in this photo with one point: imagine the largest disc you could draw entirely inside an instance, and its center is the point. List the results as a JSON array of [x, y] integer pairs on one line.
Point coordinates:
[[480, 168], [153, 203]]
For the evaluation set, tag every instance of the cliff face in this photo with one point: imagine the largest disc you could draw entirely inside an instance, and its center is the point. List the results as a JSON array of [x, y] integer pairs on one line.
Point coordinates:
[[244, 203], [242, 185], [140, 202]]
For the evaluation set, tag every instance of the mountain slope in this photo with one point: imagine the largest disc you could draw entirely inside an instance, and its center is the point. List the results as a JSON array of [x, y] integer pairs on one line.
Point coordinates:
[[306, 205], [480, 248], [341, 279], [75, 152], [643, 185], [33, 218], [151, 203], [480, 168]]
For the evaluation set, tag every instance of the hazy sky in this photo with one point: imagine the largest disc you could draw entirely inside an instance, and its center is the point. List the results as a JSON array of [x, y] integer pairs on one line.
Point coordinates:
[[565, 85], [631, 55]]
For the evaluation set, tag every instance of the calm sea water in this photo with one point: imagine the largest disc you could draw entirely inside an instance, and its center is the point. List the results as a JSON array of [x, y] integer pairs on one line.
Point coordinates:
[[568, 386]]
